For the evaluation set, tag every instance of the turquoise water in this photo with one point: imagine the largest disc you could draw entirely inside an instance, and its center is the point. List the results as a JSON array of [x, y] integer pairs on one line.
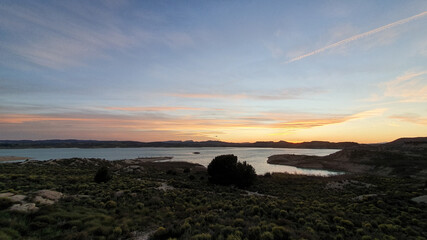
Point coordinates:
[[257, 157]]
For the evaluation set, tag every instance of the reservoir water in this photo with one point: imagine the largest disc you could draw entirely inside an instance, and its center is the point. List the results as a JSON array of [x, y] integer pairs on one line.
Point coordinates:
[[257, 157]]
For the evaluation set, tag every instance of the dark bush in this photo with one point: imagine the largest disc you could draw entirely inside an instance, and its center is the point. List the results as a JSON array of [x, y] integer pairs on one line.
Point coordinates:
[[5, 203], [222, 169], [226, 170], [102, 175], [245, 174]]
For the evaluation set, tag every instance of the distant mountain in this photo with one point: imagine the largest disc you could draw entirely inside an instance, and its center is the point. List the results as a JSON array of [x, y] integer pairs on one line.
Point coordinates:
[[407, 143], [73, 143]]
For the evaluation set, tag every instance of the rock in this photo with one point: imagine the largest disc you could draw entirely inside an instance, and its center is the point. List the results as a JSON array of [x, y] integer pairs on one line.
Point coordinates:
[[134, 167], [24, 207], [165, 187], [47, 197], [13, 197], [17, 198], [43, 201], [6, 195], [49, 194], [420, 199], [364, 197]]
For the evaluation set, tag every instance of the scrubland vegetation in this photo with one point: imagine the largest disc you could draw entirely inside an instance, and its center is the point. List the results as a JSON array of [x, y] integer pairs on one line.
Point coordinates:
[[176, 202]]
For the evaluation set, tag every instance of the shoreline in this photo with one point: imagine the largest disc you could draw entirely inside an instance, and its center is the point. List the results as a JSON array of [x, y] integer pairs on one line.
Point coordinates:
[[333, 162], [12, 158]]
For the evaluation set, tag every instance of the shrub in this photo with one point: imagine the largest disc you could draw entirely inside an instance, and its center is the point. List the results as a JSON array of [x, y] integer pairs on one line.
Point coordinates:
[[254, 233], [111, 204], [245, 174], [226, 170], [201, 236], [280, 233], [102, 175], [5, 203], [9, 233], [233, 237], [267, 236], [160, 233], [117, 231], [222, 169], [4, 236]]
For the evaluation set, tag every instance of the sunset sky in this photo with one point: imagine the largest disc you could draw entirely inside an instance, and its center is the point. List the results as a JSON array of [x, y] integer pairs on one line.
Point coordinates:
[[238, 71]]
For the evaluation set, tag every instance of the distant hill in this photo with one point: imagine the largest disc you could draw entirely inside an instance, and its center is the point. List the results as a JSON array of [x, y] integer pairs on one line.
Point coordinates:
[[412, 144], [73, 143], [403, 157]]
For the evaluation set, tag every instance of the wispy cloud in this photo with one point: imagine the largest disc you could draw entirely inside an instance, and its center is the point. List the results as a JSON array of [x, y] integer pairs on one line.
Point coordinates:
[[122, 126], [317, 121], [293, 93], [61, 35], [358, 36], [412, 118], [410, 87], [153, 109]]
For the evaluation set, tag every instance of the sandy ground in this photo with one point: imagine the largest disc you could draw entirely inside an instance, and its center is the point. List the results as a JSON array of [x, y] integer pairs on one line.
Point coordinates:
[[12, 158]]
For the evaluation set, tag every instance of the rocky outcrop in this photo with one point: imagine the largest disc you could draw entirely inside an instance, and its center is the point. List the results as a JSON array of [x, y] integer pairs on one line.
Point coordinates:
[[47, 197], [24, 207], [420, 199], [41, 197]]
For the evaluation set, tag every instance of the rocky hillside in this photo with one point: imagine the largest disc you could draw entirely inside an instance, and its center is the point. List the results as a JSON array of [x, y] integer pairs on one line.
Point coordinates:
[[403, 157]]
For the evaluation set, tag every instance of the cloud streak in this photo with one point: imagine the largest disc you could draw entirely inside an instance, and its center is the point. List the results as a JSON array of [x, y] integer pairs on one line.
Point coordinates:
[[153, 109], [357, 37], [66, 35], [412, 118], [410, 87], [107, 126], [293, 93]]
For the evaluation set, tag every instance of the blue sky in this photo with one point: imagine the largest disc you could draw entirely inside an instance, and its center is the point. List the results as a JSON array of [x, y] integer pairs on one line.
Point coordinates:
[[224, 70]]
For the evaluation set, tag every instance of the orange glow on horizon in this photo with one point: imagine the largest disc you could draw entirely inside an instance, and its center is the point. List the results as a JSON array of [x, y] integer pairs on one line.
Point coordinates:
[[356, 127]]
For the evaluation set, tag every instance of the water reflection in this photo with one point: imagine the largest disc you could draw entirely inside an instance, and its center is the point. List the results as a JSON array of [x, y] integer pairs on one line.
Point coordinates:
[[257, 157]]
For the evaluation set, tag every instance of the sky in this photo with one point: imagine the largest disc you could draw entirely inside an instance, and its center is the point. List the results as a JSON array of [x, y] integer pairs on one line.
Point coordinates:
[[236, 71]]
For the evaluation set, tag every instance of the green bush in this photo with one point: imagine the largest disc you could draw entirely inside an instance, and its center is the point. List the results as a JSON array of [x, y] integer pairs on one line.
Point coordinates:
[[201, 236], [160, 233], [226, 170], [267, 236], [102, 175], [245, 174], [254, 233], [280, 233], [110, 204], [4, 236], [5, 203], [222, 169], [117, 231], [9, 233]]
